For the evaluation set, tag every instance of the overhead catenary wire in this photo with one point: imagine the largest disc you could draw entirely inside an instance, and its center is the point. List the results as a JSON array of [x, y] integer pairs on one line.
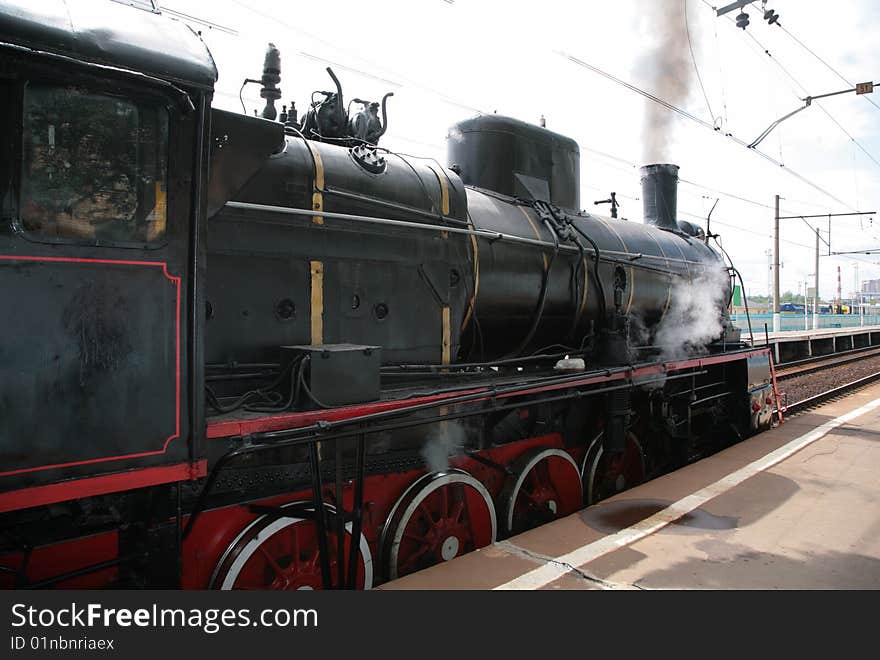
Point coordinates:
[[828, 66], [238, 33], [278, 18], [816, 103], [702, 122], [727, 223], [634, 88], [634, 166], [788, 74], [720, 71], [705, 124], [694, 60], [456, 102], [201, 21], [730, 225], [717, 191]]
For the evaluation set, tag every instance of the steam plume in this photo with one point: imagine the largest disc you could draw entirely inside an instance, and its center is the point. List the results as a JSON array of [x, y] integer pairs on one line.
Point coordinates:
[[693, 319], [445, 439], [666, 70]]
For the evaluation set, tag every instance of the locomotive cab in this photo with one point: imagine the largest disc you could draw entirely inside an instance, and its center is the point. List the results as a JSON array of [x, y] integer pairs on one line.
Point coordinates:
[[101, 186]]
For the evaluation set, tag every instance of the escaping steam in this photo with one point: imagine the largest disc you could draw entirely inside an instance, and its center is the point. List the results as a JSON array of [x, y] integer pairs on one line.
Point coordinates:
[[455, 135], [695, 316], [445, 439], [666, 70]]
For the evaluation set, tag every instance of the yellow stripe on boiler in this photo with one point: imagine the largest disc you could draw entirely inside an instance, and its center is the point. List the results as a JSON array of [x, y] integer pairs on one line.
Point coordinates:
[[317, 313]]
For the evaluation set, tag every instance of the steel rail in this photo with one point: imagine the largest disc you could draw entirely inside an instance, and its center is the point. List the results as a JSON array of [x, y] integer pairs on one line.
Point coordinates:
[[822, 397], [819, 363]]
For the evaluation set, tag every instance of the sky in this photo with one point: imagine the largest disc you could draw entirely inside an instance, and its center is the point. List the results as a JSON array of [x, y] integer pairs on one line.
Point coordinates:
[[446, 60]]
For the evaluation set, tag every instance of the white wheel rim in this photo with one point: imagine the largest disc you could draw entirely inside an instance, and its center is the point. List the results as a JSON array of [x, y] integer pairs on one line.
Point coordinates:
[[251, 547], [437, 480], [521, 477], [588, 489]]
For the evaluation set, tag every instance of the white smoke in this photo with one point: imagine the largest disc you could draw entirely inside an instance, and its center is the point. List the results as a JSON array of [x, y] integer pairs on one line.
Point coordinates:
[[666, 70], [445, 439], [694, 317], [455, 135]]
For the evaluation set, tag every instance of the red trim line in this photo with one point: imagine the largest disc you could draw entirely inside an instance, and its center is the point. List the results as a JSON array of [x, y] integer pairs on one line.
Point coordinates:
[[176, 281], [226, 428], [715, 359], [77, 260], [109, 483], [117, 262]]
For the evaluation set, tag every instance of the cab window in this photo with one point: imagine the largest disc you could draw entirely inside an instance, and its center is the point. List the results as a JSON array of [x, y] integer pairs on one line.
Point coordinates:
[[93, 167]]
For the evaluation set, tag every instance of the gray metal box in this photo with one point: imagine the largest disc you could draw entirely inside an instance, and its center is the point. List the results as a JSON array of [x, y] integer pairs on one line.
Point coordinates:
[[339, 374]]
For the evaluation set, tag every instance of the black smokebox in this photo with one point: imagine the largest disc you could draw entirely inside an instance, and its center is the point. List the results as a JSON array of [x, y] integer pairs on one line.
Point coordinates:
[[660, 195]]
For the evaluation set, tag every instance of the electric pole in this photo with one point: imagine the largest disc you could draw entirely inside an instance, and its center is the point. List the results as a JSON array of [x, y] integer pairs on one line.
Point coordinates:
[[776, 258], [839, 292], [777, 321], [857, 293], [816, 296]]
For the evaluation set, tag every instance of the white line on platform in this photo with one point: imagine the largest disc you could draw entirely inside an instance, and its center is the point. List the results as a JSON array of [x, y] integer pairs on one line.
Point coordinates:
[[559, 566]]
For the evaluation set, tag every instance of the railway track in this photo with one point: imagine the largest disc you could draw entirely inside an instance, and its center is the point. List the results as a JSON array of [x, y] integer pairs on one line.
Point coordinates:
[[814, 364], [836, 376], [828, 395]]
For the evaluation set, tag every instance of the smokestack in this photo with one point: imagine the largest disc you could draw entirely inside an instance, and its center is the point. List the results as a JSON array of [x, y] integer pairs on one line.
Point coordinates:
[[660, 194]]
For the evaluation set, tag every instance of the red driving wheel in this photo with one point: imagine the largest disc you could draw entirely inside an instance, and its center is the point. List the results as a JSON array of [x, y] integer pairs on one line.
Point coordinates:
[[606, 474], [441, 516], [545, 485], [282, 553]]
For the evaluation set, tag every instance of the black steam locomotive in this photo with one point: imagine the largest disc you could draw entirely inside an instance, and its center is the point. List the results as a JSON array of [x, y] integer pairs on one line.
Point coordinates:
[[259, 352]]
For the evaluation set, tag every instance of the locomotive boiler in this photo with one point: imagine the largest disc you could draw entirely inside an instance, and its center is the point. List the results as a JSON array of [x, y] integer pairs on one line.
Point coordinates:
[[425, 252], [270, 352]]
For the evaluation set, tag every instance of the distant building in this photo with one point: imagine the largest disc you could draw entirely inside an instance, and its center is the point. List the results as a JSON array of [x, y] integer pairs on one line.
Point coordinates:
[[871, 287], [754, 308]]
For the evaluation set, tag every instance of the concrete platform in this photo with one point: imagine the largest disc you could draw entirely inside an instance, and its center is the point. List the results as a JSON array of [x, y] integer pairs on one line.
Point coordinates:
[[794, 345], [797, 507]]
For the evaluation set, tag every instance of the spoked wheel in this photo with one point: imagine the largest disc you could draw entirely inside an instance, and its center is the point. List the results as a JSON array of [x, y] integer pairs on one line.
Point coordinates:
[[605, 474], [441, 516], [545, 485], [282, 553]]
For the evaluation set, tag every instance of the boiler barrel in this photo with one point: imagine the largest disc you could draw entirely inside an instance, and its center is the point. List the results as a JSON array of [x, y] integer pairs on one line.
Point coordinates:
[[646, 262]]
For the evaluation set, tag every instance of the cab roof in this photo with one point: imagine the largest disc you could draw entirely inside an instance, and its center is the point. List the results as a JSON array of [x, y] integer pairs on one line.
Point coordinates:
[[138, 38]]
